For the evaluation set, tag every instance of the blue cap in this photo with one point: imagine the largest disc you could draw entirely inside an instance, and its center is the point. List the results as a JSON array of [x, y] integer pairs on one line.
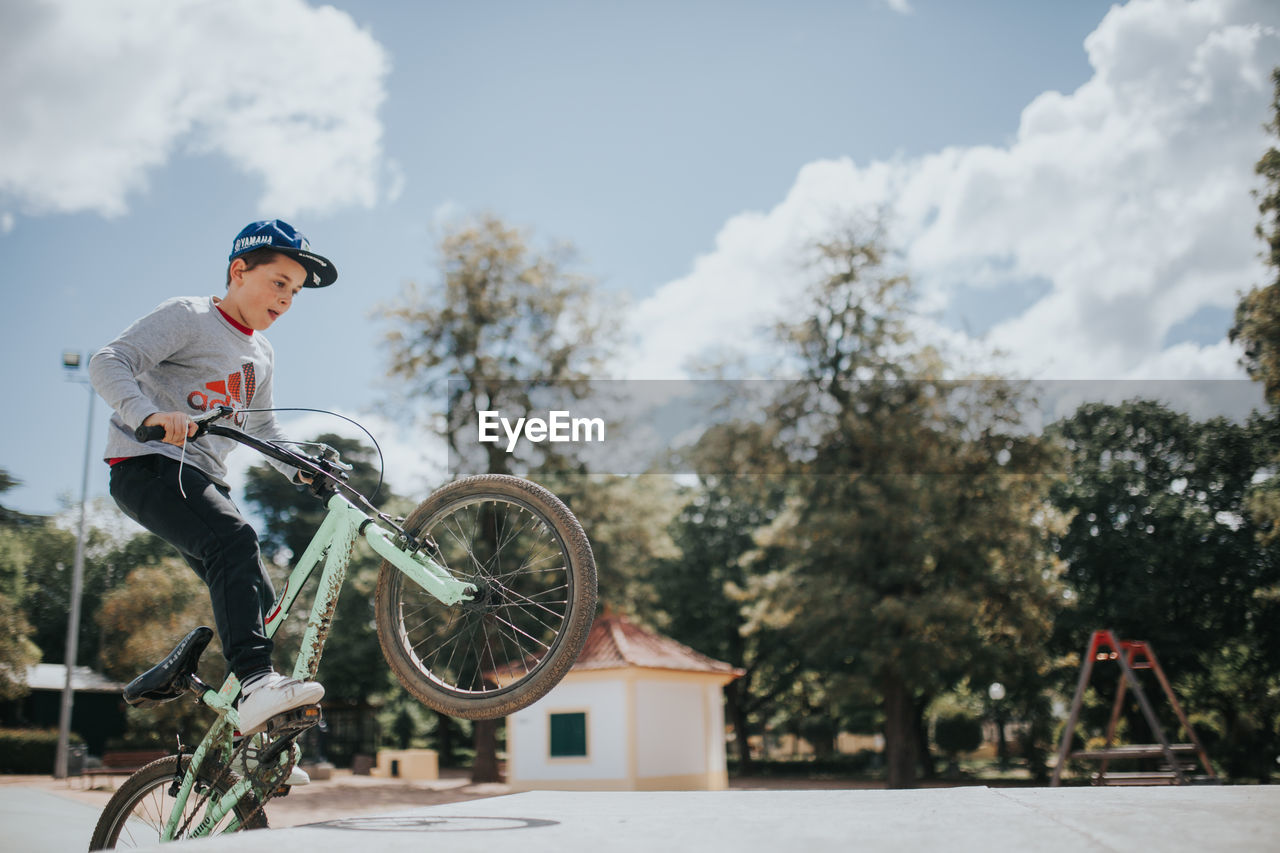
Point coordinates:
[[280, 236]]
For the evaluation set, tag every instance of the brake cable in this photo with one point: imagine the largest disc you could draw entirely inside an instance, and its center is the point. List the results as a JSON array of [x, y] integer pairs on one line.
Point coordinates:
[[382, 466]]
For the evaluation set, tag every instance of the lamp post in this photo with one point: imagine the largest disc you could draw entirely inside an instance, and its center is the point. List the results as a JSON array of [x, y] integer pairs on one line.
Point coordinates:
[[997, 692], [71, 361]]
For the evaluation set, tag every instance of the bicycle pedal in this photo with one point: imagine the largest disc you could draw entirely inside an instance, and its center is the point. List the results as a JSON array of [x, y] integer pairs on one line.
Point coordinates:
[[283, 729], [293, 722]]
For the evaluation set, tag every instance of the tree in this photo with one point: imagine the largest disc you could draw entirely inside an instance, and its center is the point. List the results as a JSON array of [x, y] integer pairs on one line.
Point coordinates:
[[166, 597], [626, 520], [50, 550], [915, 536], [955, 732], [1257, 327], [504, 321], [1162, 546], [17, 651], [703, 594], [1257, 319]]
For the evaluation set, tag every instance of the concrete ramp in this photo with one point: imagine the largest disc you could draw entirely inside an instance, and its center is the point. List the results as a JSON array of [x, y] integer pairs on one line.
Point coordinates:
[[1237, 818]]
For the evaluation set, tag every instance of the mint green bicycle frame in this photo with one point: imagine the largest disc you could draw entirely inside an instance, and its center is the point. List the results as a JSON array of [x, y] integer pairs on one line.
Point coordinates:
[[333, 542]]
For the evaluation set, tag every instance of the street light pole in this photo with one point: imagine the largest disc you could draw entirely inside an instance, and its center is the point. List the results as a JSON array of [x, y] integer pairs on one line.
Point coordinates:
[[71, 361], [997, 693]]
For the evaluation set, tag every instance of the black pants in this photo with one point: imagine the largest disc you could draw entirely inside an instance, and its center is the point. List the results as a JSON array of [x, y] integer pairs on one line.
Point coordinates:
[[214, 539]]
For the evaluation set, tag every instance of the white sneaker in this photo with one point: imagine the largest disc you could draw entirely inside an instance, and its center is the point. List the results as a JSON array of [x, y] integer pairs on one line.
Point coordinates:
[[271, 694]]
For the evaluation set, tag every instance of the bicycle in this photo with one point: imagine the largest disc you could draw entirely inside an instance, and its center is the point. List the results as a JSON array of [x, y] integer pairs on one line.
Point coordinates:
[[485, 596]]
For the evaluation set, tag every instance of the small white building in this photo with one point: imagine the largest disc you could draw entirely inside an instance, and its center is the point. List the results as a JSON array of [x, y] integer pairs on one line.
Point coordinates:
[[638, 712]]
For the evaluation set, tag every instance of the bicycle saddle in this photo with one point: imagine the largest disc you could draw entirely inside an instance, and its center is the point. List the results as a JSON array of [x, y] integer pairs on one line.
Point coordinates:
[[167, 680]]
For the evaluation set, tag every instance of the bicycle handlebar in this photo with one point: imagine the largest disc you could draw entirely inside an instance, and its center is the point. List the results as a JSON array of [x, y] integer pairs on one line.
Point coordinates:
[[155, 432], [329, 474]]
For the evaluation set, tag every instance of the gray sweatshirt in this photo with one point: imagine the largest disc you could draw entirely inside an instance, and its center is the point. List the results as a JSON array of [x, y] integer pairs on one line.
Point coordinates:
[[185, 356]]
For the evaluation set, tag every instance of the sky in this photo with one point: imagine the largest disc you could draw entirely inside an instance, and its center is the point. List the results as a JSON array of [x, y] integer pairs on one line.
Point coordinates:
[[1067, 183]]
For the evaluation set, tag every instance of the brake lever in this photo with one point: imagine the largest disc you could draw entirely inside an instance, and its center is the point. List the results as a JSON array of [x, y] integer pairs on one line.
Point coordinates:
[[325, 482], [331, 456], [214, 414]]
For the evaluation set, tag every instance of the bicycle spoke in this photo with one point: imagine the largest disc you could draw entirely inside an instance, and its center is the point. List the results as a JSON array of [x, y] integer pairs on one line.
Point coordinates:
[[524, 569], [532, 520], [512, 659], [459, 537], [517, 628], [530, 617], [540, 604], [519, 565]]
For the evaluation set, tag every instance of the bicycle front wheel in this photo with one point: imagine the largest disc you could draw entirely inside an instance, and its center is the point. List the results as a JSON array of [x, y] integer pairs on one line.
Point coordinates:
[[135, 816], [535, 577]]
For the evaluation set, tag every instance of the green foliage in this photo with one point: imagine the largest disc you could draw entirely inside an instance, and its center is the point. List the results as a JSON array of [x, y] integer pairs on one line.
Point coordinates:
[[913, 545], [1236, 710], [701, 593], [507, 319], [17, 652], [405, 723], [625, 519], [956, 732], [30, 750], [11, 518], [1163, 546], [1257, 319], [50, 555], [140, 621]]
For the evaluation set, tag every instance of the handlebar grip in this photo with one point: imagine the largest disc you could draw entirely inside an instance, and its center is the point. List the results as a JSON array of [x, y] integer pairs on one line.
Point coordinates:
[[155, 432]]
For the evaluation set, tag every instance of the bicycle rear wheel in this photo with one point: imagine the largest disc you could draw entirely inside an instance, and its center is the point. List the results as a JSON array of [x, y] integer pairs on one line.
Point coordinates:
[[536, 579], [136, 814]]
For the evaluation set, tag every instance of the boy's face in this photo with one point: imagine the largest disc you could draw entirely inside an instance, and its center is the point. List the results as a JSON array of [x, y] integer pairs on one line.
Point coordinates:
[[258, 297]]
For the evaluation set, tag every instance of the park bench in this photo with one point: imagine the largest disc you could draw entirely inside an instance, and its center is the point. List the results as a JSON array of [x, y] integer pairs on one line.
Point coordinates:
[[123, 762]]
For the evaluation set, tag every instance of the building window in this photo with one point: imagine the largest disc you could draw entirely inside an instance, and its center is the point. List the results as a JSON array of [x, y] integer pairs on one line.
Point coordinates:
[[569, 735]]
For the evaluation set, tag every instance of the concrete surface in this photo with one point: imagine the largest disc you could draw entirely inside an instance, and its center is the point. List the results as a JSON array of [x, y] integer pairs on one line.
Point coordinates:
[[951, 819], [1237, 818], [35, 821]]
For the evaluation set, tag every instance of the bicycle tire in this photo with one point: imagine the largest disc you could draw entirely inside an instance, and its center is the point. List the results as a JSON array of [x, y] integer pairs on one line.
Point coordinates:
[[536, 576], [147, 789]]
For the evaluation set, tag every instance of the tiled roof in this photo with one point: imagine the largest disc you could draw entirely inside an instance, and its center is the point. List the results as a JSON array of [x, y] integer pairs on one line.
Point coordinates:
[[615, 643]]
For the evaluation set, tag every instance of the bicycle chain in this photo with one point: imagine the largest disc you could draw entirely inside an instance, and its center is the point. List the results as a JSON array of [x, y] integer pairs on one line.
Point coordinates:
[[211, 787], [259, 779]]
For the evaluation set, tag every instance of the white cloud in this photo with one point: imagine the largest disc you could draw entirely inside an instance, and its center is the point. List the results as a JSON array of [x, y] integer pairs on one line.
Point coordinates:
[[1130, 197], [97, 94], [902, 7]]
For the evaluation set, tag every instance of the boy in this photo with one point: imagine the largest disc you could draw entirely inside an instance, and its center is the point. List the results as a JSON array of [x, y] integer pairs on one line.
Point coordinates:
[[186, 356]]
